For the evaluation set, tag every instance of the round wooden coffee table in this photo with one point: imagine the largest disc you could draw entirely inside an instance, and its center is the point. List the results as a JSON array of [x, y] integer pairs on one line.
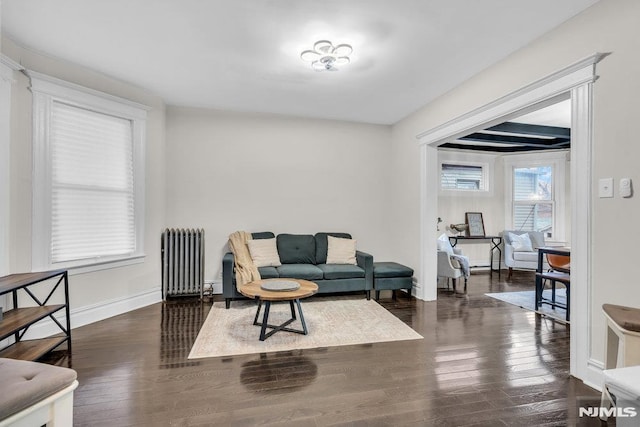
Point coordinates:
[[254, 290]]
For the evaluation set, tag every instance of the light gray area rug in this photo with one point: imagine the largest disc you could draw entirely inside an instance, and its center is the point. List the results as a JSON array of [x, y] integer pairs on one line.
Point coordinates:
[[330, 322], [526, 300]]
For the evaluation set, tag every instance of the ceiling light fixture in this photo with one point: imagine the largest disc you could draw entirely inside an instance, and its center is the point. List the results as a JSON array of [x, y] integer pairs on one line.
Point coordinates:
[[326, 57]]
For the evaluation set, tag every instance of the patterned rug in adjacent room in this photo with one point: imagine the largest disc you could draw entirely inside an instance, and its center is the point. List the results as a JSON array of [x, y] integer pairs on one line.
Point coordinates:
[[526, 300], [331, 321]]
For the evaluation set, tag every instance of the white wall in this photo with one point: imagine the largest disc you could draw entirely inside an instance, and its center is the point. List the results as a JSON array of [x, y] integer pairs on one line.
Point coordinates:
[[106, 292], [608, 26], [236, 171]]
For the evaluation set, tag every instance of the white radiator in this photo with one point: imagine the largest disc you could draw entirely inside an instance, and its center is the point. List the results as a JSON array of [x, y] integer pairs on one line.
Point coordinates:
[[182, 262]]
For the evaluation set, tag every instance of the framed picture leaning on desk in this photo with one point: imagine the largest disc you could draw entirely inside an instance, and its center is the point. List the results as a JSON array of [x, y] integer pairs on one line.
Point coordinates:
[[475, 223]]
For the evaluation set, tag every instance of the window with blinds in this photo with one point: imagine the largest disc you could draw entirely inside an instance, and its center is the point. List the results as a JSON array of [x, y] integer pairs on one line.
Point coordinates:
[[462, 177], [88, 177], [533, 199], [92, 191]]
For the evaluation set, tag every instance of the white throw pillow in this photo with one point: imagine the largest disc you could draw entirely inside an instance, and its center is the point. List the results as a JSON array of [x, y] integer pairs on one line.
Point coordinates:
[[264, 252], [341, 251], [444, 244], [521, 243]]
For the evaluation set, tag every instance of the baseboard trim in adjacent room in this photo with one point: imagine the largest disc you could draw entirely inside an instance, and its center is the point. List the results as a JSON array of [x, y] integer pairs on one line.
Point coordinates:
[[416, 287], [93, 313], [595, 377]]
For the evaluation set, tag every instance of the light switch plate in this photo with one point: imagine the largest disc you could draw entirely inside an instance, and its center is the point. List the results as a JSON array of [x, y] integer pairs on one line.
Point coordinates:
[[625, 187], [605, 187]]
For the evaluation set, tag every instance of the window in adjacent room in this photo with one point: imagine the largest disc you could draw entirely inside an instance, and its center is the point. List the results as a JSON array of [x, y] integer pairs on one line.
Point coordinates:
[[88, 177], [535, 200], [458, 176]]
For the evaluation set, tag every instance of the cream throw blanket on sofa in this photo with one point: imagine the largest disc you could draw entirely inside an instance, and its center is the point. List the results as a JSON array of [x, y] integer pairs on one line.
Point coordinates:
[[246, 271]]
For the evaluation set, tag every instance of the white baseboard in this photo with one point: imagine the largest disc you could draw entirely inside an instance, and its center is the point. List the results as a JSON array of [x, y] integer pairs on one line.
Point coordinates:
[[594, 377], [94, 313]]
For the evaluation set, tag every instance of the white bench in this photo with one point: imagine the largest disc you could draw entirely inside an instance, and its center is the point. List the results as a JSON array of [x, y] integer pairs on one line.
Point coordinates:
[[622, 348], [35, 394]]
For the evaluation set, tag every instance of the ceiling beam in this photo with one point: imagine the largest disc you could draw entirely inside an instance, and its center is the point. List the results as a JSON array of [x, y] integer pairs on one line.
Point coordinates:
[[515, 140], [529, 129], [498, 149]]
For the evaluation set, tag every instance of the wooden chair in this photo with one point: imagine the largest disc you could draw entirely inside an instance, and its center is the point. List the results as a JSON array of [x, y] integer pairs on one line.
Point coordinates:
[[560, 263], [559, 271]]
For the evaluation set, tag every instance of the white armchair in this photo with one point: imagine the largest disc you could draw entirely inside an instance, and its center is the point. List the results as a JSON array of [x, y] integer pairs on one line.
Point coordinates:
[[447, 267], [450, 269], [522, 259]]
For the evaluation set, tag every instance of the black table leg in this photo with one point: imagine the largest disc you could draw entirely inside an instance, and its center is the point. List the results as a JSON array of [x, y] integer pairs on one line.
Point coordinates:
[[283, 327], [304, 325], [495, 245], [255, 319], [265, 319], [293, 311], [539, 280]]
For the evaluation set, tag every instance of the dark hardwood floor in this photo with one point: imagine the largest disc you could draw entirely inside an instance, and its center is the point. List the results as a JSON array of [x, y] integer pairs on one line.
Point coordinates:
[[482, 362]]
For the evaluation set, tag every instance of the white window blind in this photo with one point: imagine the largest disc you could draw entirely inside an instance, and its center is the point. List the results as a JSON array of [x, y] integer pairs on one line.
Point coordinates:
[[533, 199], [92, 184], [461, 177]]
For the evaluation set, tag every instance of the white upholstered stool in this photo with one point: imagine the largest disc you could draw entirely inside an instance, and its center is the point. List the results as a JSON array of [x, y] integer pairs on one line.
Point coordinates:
[[622, 347], [623, 385], [35, 394], [623, 336]]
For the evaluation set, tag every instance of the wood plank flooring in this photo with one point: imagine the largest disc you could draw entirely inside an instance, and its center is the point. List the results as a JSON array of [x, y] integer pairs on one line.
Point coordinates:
[[482, 362]]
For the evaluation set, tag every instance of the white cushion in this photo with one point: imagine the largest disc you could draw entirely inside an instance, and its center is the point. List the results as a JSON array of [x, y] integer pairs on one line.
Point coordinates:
[[264, 252], [526, 256], [341, 251], [521, 243], [444, 244]]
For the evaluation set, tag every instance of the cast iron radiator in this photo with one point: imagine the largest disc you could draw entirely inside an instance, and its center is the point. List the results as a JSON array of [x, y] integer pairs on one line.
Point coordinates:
[[182, 262]]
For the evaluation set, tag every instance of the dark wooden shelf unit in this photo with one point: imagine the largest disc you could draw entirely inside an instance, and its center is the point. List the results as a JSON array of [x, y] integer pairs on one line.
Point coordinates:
[[17, 321]]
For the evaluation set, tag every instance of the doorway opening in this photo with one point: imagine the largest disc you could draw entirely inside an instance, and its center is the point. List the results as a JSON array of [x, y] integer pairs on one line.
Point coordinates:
[[516, 174], [574, 82]]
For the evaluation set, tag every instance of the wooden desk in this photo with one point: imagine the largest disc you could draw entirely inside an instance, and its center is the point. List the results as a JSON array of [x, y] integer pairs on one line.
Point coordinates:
[[554, 276], [494, 241]]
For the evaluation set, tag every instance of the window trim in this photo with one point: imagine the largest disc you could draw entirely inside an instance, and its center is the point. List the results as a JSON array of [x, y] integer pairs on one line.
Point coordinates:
[[485, 161], [483, 176], [46, 90], [558, 161], [7, 69]]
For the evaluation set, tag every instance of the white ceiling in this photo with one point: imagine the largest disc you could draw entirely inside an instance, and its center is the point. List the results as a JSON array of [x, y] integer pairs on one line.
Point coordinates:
[[243, 55], [558, 114]]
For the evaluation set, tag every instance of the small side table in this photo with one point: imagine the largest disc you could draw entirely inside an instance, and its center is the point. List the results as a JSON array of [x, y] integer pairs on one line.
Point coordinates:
[[254, 290]]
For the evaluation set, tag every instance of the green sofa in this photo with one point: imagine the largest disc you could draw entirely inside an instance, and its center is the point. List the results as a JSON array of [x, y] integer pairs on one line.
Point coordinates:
[[304, 256]]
